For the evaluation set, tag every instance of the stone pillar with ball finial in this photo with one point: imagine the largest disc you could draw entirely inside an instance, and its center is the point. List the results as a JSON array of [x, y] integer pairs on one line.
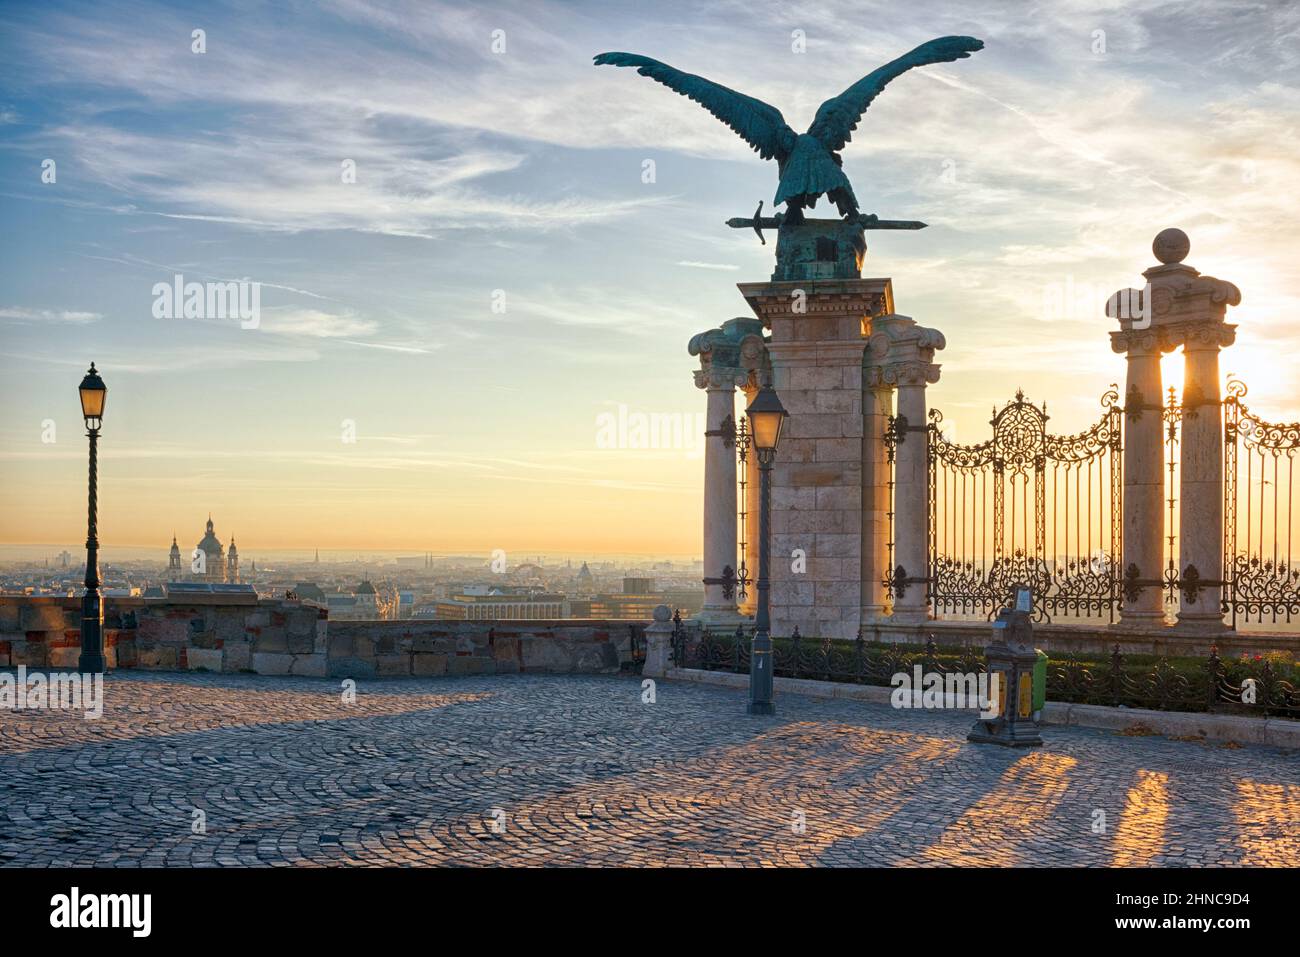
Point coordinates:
[[1177, 307]]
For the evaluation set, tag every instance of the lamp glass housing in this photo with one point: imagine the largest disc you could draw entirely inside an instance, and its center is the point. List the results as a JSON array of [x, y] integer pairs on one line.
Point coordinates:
[[93, 394], [766, 416]]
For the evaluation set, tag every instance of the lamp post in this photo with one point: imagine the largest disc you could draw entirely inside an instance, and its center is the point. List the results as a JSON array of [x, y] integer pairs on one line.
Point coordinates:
[[93, 392], [766, 415]]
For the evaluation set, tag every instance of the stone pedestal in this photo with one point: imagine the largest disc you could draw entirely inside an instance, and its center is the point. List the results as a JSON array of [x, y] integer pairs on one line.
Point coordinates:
[[816, 352], [901, 355], [658, 641]]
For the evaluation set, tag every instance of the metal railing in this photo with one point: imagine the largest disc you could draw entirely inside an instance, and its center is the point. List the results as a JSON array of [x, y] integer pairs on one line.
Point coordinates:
[[1027, 506], [1250, 685]]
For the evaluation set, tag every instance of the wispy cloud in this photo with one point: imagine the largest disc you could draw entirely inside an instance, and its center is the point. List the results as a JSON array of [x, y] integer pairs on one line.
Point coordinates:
[[23, 314], [701, 265]]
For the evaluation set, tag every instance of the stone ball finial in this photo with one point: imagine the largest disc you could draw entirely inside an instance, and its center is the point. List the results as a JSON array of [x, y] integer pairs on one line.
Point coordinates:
[[1171, 245], [663, 613]]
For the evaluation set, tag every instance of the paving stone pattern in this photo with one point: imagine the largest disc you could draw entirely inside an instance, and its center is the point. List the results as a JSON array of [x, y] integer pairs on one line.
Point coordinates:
[[576, 770]]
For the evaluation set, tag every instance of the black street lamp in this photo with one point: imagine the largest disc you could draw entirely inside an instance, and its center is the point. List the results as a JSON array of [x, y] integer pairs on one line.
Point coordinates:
[[766, 415], [93, 392]]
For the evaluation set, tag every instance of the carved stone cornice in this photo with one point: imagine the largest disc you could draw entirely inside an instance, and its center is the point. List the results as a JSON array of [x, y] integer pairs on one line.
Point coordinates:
[[815, 297]]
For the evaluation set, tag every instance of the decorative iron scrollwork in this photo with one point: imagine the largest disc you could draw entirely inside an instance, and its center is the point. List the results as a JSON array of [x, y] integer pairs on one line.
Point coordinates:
[[726, 430], [1260, 458], [1012, 509], [896, 582], [1133, 583], [898, 428], [1133, 403], [728, 580]]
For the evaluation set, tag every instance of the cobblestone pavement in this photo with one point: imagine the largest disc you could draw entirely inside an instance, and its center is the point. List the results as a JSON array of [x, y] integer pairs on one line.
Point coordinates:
[[546, 770]]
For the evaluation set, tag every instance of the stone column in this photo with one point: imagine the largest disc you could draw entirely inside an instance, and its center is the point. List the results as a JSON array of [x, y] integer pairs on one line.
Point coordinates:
[[719, 490], [1200, 491], [877, 408], [1144, 478], [750, 605], [901, 354], [730, 356], [816, 351]]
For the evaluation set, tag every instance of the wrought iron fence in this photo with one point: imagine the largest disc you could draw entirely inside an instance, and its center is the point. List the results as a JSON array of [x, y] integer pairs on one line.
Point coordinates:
[[1261, 582], [1252, 686], [1027, 507], [636, 644]]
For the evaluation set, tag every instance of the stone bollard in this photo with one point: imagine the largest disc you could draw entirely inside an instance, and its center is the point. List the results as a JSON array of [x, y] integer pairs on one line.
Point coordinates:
[[658, 643]]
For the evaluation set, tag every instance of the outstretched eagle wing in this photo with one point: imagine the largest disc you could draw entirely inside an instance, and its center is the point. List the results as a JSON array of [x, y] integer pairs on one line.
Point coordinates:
[[759, 124], [838, 117]]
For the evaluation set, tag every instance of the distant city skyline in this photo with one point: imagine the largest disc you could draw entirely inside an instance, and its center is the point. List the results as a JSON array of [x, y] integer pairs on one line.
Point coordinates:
[[38, 551], [440, 335]]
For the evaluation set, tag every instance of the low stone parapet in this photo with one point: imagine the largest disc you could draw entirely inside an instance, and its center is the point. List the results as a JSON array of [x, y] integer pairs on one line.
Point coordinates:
[[417, 647], [199, 633], [293, 637]]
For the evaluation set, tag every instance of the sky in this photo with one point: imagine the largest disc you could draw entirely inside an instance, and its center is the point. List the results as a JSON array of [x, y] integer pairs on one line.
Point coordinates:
[[439, 339]]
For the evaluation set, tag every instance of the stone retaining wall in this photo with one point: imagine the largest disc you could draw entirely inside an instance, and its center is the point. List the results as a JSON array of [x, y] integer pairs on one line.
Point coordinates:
[[224, 633]]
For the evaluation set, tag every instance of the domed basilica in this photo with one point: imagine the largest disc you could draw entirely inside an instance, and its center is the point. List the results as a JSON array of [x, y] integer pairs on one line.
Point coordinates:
[[209, 562]]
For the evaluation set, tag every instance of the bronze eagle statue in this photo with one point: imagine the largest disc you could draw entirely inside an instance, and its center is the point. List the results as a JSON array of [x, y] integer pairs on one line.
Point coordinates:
[[809, 164]]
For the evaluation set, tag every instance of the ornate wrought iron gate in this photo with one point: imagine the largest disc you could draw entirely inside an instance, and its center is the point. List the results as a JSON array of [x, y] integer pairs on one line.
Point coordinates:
[[1027, 507], [1261, 583]]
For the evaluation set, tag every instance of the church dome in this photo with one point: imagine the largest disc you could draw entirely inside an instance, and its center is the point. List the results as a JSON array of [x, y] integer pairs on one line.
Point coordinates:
[[365, 588], [209, 543]]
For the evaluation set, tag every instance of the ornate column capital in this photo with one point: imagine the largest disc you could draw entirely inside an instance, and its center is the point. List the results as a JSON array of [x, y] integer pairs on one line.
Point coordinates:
[[720, 378], [734, 355], [900, 352], [1201, 336], [1140, 342]]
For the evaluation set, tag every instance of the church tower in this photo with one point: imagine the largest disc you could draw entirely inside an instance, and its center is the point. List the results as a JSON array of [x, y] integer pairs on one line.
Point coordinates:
[[174, 562], [232, 563]]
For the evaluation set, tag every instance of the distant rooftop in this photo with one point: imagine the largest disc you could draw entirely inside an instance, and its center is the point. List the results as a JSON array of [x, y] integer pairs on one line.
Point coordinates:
[[208, 588]]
